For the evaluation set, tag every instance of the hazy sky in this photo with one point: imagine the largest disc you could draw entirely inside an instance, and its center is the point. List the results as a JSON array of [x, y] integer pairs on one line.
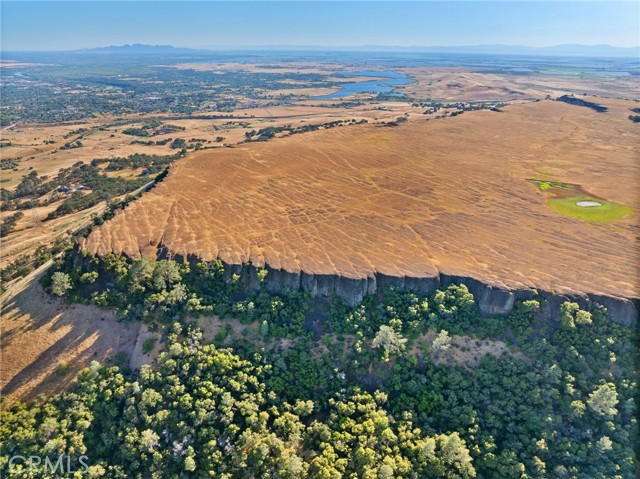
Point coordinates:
[[71, 25]]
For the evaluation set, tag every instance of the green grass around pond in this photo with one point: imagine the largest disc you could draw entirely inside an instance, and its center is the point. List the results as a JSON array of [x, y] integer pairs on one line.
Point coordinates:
[[563, 199], [545, 185], [608, 210]]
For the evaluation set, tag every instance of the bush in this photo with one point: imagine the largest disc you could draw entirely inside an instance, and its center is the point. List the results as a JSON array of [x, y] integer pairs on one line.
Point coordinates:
[[148, 345]]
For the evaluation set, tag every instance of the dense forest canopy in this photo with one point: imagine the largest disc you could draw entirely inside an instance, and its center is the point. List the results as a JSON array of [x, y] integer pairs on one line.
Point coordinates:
[[295, 387]]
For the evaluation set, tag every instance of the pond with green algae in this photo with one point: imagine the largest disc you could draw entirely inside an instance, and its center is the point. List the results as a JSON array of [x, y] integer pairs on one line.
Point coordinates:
[[573, 201]]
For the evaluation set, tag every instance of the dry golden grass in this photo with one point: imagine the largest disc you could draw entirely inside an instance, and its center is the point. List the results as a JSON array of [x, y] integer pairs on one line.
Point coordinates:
[[27, 141], [456, 83], [104, 141], [447, 195], [466, 84], [47, 159], [46, 342], [32, 231]]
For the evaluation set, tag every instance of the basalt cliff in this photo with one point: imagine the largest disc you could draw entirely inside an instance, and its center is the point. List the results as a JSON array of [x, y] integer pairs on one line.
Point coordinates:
[[427, 203]]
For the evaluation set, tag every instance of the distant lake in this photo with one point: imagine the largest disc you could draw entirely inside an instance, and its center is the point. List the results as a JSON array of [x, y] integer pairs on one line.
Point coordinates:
[[386, 83]]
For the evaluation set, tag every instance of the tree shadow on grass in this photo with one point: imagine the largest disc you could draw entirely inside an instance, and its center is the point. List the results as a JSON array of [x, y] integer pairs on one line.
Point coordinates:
[[45, 342]]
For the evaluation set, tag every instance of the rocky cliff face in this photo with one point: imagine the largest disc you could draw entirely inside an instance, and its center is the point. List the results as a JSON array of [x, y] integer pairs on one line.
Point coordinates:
[[410, 202], [492, 300]]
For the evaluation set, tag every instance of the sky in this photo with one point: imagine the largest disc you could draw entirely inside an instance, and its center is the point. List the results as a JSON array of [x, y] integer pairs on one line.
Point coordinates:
[[54, 25]]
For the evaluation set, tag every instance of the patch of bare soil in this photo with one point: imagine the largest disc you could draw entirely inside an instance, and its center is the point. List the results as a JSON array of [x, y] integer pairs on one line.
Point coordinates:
[[138, 356], [464, 351], [212, 325]]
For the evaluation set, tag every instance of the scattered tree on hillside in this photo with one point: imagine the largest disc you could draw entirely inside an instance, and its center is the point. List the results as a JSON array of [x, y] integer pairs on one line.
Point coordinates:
[[389, 340], [60, 283], [441, 342]]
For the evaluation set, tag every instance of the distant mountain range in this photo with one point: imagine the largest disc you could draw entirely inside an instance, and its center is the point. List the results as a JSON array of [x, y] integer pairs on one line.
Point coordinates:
[[558, 50], [139, 48]]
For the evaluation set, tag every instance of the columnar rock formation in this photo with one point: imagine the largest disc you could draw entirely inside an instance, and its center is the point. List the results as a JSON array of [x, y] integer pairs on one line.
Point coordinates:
[[425, 203]]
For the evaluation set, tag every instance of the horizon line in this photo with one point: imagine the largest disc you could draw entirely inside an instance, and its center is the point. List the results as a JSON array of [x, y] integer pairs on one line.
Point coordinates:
[[325, 47]]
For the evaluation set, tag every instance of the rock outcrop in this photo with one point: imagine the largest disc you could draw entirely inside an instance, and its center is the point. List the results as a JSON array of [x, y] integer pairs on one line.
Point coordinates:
[[358, 208], [491, 299]]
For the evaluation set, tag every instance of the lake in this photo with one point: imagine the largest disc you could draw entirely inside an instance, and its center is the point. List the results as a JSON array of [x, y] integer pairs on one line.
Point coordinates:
[[386, 82]]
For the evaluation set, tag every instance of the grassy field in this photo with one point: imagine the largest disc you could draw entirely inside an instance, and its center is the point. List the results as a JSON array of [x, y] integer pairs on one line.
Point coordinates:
[[440, 196], [607, 211]]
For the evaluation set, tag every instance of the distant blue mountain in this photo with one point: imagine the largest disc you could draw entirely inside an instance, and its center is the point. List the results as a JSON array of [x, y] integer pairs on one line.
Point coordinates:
[[557, 50], [140, 49]]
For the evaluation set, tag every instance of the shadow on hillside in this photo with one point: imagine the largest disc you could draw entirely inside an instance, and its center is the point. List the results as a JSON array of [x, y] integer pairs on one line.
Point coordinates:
[[45, 342]]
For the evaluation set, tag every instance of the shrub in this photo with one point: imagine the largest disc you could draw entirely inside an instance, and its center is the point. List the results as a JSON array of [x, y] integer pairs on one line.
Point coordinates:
[[148, 345]]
